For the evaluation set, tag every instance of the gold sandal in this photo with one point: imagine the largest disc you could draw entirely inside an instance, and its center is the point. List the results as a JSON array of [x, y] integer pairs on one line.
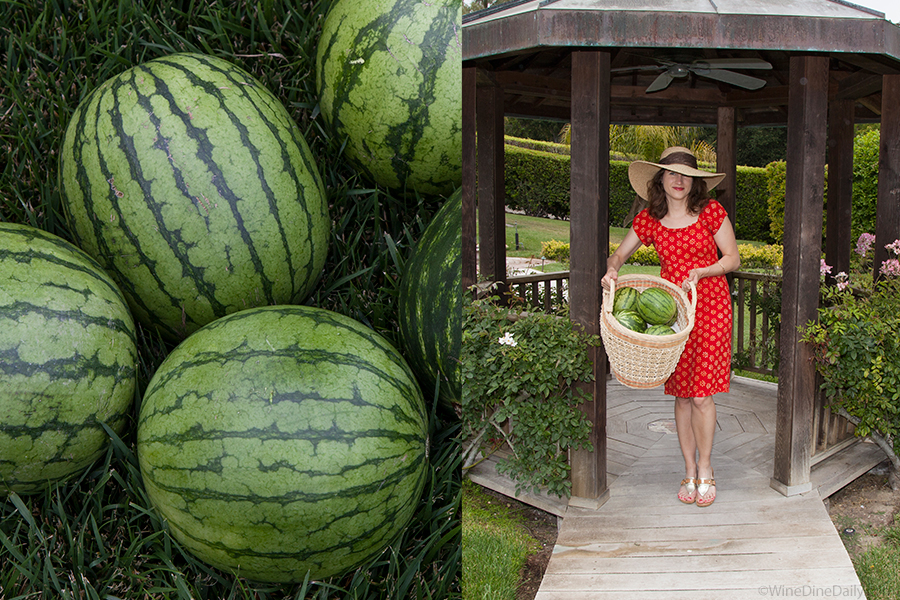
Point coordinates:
[[708, 483], [690, 484]]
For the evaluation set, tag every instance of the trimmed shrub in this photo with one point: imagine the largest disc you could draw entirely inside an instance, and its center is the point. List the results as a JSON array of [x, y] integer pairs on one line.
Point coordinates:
[[865, 181], [752, 219], [537, 182], [555, 250]]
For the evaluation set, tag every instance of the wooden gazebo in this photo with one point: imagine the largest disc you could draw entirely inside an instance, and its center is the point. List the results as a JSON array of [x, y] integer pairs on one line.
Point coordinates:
[[834, 64]]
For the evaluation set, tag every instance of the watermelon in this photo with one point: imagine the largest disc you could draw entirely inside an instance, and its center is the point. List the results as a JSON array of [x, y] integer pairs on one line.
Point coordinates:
[[190, 184], [631, 320], [659, 330], [625, 299], [389, 81], [430, 303], [284, 440], [67, 356], [656, 306]]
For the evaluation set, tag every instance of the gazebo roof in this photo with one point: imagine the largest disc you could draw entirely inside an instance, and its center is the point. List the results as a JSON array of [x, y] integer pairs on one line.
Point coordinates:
[[525, 47]]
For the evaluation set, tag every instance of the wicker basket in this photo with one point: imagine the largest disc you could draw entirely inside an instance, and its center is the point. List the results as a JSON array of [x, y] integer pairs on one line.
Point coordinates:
[[639, 360]]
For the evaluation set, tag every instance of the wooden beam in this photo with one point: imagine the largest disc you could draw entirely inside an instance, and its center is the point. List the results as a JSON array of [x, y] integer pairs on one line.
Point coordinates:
[[491, 201], [887, 216], [840, 187], [589, 239], [807, 118], [726, 159], [469, 193]]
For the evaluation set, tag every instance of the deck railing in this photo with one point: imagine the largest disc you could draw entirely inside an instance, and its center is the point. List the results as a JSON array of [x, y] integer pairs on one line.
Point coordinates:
[[756, 350]]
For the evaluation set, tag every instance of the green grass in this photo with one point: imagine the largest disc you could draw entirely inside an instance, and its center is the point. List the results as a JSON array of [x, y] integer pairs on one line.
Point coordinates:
[[877, 566], [96, 536], [495, 547]]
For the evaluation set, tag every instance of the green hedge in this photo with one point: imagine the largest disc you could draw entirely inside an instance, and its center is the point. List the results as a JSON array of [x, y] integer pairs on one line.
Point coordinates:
[[537, 182]]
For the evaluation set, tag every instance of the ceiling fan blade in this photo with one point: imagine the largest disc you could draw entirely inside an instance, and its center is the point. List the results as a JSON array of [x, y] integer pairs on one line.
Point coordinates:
[[660, 83], [732, 63], [638, 68], [730, 77]]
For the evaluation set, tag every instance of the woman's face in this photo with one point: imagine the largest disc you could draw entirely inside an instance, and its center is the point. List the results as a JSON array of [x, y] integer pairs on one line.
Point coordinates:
[[676, 185]]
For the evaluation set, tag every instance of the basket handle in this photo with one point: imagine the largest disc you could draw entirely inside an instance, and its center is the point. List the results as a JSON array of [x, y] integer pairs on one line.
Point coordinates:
[[609, 296], [693, 296]]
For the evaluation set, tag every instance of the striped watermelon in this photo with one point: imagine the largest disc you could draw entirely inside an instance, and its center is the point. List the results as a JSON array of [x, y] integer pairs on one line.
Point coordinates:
[[67, 359], [631, 320], [191, 185], [284, 439], [389, 80], [430, 303], [657, 306], [625, 299]]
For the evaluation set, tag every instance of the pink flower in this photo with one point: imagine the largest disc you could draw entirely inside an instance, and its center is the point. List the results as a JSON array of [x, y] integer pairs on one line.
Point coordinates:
[[843, 285], [894, 247], [890, 268], [864, 243], [824, 269]]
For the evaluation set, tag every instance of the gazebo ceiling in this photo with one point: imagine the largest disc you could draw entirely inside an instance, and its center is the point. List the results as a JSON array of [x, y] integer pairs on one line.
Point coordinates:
[[526, 46]]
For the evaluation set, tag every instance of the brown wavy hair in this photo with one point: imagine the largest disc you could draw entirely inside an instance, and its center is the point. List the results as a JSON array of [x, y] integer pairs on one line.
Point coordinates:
[[697, 199]]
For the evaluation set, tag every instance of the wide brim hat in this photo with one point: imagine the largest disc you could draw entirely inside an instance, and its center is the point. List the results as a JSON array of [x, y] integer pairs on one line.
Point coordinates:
[[640, 172]]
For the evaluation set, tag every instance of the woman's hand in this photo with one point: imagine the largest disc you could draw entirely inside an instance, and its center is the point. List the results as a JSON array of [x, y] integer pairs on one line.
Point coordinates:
[[611, 275], [693, 277]]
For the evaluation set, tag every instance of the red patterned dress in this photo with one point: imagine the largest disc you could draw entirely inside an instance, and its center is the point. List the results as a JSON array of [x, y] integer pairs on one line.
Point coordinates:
[[705, 365]]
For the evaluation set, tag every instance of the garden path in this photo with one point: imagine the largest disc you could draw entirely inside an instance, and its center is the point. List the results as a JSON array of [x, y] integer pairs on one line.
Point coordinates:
[[644, 544]]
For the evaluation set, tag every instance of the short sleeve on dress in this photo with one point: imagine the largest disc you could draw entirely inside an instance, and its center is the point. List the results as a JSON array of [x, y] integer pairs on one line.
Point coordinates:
[[713, 216], [645, 227]]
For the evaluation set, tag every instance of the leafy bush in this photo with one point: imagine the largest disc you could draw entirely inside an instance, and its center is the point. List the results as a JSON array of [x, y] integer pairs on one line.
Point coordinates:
[[752, 219], [519, 371], [857, 351], [555, 250], [865, 181], [776, 177], [537, 182], [761, 257]]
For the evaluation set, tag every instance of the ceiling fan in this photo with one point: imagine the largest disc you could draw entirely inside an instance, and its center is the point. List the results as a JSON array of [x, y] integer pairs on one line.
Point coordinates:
[[714, 68]]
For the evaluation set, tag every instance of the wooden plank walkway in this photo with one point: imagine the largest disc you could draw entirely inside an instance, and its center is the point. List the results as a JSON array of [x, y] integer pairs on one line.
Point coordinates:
[[751, 543]]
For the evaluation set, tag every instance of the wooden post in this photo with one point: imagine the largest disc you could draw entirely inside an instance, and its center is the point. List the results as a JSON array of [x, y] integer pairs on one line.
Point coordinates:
[[491, 191], [589, 239], [807, 116], [887, 214], [726, 160], [840, 187], [469, 157]]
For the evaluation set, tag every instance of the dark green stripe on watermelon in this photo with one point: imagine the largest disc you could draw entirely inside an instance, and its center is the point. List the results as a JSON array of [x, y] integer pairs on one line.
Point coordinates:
[[67, 359], [430, 303], [191, 185], [281, 440]]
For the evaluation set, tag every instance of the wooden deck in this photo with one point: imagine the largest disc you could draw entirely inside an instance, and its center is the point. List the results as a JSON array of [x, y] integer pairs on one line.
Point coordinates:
[[752, 542]]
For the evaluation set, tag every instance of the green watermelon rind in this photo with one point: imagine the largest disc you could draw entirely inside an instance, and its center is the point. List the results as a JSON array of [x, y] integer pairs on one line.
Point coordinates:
[[389, 80], [68, 355], [625, 299], [430, 303], [653, 306], [631, 320], [188, 181], [285, 440], [659, 330]]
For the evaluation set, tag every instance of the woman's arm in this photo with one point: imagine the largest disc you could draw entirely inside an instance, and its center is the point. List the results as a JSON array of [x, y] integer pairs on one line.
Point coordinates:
[[618, 258], [730, 261]]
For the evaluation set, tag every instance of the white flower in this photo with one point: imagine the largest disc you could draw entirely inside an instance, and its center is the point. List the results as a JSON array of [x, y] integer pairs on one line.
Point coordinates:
[[507, 340]]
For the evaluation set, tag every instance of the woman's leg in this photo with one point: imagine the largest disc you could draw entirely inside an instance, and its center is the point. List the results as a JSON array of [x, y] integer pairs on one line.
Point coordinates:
[[688, 443], [703, 426]]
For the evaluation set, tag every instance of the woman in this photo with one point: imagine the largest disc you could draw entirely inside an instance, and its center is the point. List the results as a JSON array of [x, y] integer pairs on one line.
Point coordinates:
[[688, 230]]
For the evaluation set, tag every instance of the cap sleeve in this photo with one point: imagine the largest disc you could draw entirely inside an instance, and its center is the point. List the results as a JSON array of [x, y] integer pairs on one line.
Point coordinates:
[[645, 227], [713, 216]]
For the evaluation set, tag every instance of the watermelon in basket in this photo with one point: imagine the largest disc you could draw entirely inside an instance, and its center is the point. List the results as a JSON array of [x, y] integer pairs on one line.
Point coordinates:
[[642, 360]]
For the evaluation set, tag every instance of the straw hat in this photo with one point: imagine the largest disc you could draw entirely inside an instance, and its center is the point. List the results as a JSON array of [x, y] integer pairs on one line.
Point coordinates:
[[640, 172]]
